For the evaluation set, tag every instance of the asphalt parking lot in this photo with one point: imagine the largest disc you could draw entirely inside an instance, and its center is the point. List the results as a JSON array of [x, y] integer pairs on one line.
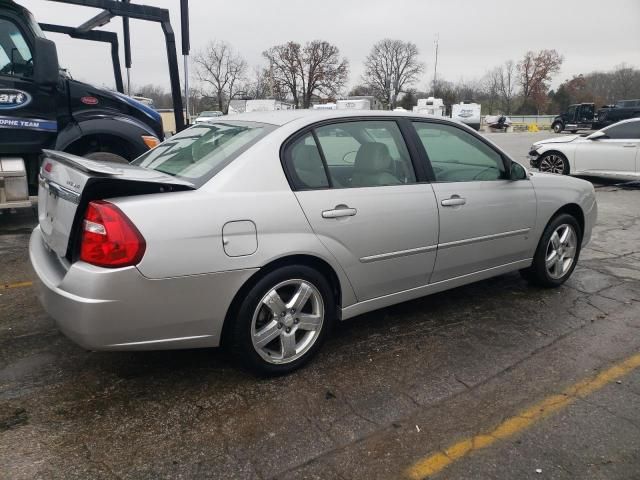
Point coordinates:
[[495, 380]]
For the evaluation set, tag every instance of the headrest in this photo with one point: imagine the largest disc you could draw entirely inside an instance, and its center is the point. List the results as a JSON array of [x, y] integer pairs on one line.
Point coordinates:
[[372, 157]]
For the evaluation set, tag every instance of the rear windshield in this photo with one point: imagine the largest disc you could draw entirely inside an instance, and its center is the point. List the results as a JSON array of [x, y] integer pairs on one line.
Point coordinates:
[[199, 152]]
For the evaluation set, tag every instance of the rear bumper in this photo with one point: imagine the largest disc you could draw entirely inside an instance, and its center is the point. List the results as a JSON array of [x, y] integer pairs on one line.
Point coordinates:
[[120, 309]]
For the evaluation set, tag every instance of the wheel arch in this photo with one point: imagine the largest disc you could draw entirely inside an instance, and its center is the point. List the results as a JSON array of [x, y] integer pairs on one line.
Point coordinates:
[[575, 211], [103, 143], [312, 261]]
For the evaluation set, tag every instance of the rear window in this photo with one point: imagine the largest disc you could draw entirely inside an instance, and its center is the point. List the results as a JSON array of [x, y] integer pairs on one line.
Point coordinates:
[[199, 152]]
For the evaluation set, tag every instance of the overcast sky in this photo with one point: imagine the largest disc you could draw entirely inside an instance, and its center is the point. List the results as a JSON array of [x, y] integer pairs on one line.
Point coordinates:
[[474, 35]]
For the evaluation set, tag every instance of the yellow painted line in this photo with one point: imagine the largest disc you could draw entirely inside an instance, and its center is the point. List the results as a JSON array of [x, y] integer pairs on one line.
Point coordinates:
[[437, 462], [15, 285]]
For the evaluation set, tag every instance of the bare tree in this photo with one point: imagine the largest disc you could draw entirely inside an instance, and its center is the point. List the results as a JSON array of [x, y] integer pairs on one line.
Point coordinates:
[[257, 86], [222, 69], [322, 71], [491, 88], [624, 81], [507, 85], [315, 69], [535, 71], [390, 68], [284, 68]]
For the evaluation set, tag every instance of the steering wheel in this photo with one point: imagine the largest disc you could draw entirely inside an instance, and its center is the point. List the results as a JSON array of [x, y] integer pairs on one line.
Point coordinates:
[[344, 157]]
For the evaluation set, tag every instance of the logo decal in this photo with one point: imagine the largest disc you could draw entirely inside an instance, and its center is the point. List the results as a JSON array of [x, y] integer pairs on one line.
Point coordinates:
[[89, 100], [465, 113], [11, 99], [20, 123]]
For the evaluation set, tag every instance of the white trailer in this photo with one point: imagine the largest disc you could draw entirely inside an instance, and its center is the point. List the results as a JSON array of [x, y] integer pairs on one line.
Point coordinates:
[[267, 105], [359, 104], [324, 106], [468, 113], [430, 106]]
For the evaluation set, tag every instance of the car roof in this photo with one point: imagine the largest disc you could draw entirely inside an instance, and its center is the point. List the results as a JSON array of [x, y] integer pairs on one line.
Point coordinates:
[[282, 117]]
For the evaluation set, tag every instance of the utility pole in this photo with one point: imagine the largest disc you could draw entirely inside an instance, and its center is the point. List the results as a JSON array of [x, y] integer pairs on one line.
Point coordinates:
[[435, 67], [127, 49], [186, 46]]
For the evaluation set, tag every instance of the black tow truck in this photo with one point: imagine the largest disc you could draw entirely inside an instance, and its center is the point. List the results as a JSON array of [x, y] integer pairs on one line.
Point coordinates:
[[584, 116], [42, 107]]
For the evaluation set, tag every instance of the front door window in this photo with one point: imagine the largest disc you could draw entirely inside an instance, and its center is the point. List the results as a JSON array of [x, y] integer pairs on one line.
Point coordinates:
[[16, 58]]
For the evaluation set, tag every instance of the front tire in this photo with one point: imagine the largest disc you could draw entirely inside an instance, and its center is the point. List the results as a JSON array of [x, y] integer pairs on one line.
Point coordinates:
[[557, 253], [557, 127], [554, 162], [283, 320]]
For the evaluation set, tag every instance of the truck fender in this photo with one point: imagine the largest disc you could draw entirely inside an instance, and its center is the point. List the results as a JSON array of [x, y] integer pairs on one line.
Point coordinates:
[[127, 131]]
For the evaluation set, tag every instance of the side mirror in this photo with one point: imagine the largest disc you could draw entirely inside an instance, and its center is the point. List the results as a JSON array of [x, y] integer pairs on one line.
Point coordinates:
[[45, 63], [598, 135], [518, 172]]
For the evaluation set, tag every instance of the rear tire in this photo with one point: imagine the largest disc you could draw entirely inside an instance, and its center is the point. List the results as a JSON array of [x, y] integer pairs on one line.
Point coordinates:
[[106, 157], [272, 334], [557, 253]]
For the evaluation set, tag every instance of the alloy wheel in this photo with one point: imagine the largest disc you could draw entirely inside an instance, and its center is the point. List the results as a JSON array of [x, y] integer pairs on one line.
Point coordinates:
[[287, 321], [552, 163], [561, 251]]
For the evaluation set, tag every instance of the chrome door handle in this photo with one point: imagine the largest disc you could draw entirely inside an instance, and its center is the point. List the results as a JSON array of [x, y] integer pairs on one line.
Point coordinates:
[[339, 211], [453, 201]]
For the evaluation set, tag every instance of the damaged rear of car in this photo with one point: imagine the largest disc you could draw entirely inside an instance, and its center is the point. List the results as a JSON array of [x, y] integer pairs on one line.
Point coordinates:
[[90, 242]]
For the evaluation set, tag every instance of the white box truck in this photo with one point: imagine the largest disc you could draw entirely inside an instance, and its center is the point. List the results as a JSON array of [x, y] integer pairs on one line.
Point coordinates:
[[468, 113]]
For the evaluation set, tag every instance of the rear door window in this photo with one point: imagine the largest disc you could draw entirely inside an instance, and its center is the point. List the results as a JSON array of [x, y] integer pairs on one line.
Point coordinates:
[[369, 153]]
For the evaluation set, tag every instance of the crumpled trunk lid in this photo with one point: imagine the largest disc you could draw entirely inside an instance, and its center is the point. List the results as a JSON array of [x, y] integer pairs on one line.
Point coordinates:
[[67, 183]]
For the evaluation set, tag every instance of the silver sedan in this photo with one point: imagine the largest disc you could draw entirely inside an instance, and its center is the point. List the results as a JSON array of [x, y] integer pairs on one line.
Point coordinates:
[[260, 230]]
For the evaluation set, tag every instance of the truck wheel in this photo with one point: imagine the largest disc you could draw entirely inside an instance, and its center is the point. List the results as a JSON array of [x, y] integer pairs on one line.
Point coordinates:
[[554, 162], [557, 127], [106, 157], [574, 131]]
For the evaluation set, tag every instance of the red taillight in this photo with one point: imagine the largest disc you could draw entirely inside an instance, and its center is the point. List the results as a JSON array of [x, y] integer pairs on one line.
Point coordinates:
[[109, 239]]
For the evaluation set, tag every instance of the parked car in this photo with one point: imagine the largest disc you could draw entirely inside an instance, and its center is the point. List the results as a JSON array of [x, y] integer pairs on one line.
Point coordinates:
[[259, 231], [610, 152], [208, 115]]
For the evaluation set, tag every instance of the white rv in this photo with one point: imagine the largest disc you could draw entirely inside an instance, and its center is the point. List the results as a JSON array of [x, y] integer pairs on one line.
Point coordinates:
[[430, 106], [267, 105], [468, 113], [324, 106], [355, 104]]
